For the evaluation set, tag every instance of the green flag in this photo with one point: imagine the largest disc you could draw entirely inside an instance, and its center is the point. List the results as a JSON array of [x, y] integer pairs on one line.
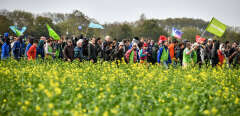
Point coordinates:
[[52, 33], [18, 33], [216, 27]]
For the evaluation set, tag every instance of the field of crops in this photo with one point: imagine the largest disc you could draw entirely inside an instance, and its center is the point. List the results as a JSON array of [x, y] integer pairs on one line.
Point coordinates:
[[52, 88]]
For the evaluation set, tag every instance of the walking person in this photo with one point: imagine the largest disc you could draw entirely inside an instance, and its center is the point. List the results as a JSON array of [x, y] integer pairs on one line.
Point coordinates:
[[49, 50], [92, 51], [30, 43], [144, 53], [78, 53], [132, 54], [32, 52], [69, 51], [5, 53], [164, 55]]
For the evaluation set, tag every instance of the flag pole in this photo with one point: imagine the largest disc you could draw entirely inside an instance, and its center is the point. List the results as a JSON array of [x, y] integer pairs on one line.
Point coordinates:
[[203, 33], [86, 32]]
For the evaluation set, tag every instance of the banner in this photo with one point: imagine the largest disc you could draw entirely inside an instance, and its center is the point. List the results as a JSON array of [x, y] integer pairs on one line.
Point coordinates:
[[216, 27], [52, 33]]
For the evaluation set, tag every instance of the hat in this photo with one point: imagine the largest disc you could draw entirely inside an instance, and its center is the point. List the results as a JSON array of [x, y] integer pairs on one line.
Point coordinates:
[[195, 44], [163, 38], [210, 39], [5, 35], [145, 45], [134, 44], [135, 40], [121, 44]]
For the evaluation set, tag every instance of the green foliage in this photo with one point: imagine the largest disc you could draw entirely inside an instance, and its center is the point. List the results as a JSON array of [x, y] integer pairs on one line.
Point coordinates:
[[150, 29], [40, 28], [72, 22], [4, 24], [230, 36], [190, 33], [119, 31], [67, 24]]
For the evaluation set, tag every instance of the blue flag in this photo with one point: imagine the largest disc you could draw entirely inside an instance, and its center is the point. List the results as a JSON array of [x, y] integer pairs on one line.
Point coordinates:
[[16, 31], [23, 29], [176, 33], [13, 28], [96, 26]]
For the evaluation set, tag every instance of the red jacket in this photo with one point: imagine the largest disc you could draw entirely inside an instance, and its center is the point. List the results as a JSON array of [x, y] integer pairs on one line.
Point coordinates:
[[32, 52], [220, 57], [171, 50]]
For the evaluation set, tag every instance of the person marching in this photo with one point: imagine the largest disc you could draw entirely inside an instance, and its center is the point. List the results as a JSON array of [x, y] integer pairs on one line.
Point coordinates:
[[143, 53], [164, 55], [132, 54], [32, 52]]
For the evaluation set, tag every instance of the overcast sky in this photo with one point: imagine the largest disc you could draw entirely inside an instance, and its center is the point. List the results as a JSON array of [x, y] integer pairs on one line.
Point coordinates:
[[227, 11]]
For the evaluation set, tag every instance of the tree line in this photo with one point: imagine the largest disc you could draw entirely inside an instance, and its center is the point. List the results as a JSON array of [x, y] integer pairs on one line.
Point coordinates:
[[66, 24]]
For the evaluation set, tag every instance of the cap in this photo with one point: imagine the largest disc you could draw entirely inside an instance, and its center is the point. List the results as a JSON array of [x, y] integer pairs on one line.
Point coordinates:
[[121, 44], [145, 45]]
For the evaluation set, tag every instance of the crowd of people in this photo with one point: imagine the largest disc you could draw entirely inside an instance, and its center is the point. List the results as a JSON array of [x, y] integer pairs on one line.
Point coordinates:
[[166, 52]]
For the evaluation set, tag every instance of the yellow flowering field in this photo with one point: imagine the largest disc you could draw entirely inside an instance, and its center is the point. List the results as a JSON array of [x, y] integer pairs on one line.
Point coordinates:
[[51, 88]]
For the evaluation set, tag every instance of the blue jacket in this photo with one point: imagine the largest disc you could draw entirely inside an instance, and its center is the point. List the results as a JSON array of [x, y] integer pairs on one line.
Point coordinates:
[[159, 54], [130, 46], [22, 52], [5, 51], [16, 49], [27, 48]]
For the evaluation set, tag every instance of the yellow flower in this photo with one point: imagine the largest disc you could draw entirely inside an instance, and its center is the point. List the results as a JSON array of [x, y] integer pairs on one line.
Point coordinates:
[[4, 100], [114, 111], [112, 96], [108, 89], [168, 95], [135, 88], [26, 103], [96, 109], [19, 103], [44, 113], [214, 110], [49, 94], [105, 113], [55, 113], [206, 112], [79, 96], [37, 108], [175, 99], [68, 102], [77, 89], [167, 109], [57, 91], [24, 108], [50, 105], [41, 86], [236, 100], [186, 107], [170, 113]]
